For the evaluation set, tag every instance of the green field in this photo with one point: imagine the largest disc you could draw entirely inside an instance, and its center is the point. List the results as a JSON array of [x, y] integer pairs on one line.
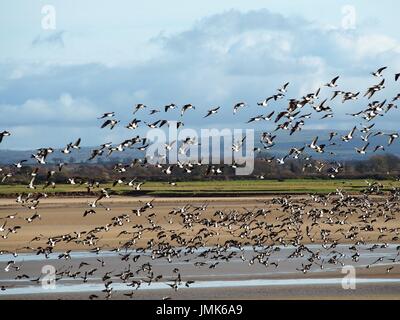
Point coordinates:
[[207, 188]]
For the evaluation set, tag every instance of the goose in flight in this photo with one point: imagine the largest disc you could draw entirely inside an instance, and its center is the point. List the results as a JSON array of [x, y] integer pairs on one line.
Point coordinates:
[[42, 154], [367, 129], [317, 148], [321, 107], [76, 145], [337, 93], [392, 137], [107, 115], [154, 111], [3, 227], [350, 96], [153, 125], [187, 107], [363, 150], [112, 123], [349, 136], [283, 89], [372, 90], [237, 106], [281, 161], [168, 170], [397, 97], [278, 96], [267, 137], [257, 118], [137, 186], [34, 217], [168, 146], [269, 116], [133, 124], [296, 152], [4, 134], [332, 83], [67, 149], [87, 212], [332, 135], [105, 145], [297, 127], [380, 147], [366, 137], [328, 115], [212, 111], [95, 153], [265, 102], [138, 107], [19, 164], [237, 145], [379, 72], [170, 106]]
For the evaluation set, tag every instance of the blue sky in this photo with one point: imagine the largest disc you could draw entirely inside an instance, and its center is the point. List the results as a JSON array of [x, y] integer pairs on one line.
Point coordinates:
[[108, 56]]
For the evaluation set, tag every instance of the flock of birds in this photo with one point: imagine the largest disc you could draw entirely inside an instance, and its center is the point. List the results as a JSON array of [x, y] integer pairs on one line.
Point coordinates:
[[314, 218]]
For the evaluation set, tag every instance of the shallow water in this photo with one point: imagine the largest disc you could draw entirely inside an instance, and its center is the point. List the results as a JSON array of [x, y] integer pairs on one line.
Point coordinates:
[[197, 285], [235, 273]]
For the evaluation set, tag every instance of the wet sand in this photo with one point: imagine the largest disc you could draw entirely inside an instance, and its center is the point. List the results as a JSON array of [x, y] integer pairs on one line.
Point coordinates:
[[235, 279], [65, 215]]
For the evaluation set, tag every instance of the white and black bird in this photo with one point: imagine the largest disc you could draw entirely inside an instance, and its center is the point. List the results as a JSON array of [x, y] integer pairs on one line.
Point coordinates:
[[379, 72], [332, 83], [133, 124], [237, 106], [392, 137], [350, 96], [363, 150], [4, 134], [76, 144], [256, 118], [283, 89], [350, 135], [19, 164], [112, 123], [107, 115], [187, 107], [265, 102], [138, 107], [169, 146], [170, 106], [168, 170], [212, 111]]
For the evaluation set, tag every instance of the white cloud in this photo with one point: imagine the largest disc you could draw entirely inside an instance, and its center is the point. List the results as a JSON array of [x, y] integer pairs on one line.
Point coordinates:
[[369, 45], [65, 110]]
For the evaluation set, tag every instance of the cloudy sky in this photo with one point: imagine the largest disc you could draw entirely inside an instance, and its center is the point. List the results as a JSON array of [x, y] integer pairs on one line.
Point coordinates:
[[109, 55]]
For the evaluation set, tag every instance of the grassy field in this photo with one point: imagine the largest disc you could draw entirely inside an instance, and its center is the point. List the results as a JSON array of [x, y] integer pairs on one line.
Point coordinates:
[[207, 188]]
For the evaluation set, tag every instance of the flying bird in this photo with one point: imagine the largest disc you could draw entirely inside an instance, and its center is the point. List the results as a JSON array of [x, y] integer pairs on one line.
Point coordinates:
[[111, 123], [4, 134], [107, 115], [237, 106], [332, 83], [187, 107], [378, 73], [212, 111]]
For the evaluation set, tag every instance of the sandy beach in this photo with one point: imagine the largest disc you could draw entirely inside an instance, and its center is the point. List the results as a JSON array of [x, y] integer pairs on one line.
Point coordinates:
[[60, 216]]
